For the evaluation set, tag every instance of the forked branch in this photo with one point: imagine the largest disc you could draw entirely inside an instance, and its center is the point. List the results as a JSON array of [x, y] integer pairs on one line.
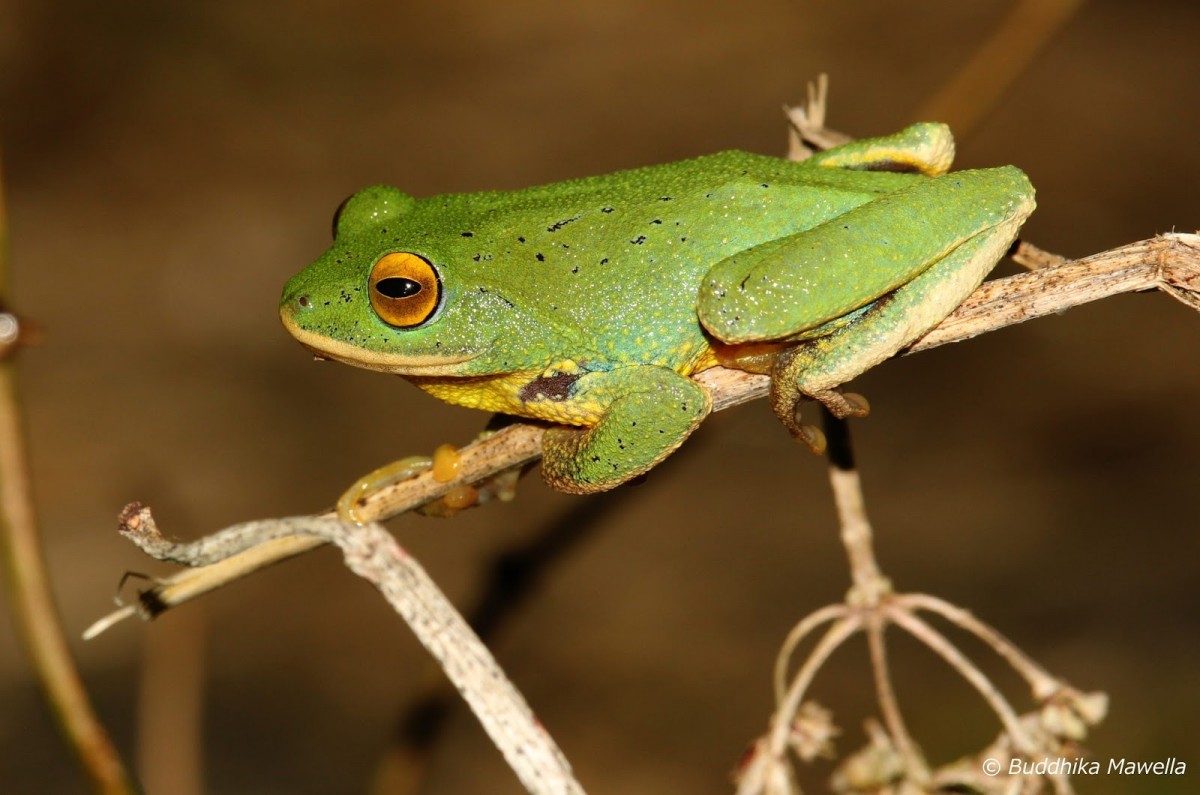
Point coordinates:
[[372, 553], [892, 762]]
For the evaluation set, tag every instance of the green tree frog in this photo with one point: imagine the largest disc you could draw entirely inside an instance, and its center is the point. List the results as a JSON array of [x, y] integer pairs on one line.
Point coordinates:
[[589, 303]]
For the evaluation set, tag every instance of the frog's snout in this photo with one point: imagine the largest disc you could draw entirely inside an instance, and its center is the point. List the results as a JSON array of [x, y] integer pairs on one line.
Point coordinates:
[[295, 301], [293, 306]]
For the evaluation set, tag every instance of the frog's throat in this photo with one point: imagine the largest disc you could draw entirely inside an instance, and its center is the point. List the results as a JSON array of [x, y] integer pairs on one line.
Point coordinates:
[[402, 364]]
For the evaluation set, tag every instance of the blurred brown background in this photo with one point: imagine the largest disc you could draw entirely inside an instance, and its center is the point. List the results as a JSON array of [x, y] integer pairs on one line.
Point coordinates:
[[170, 165]]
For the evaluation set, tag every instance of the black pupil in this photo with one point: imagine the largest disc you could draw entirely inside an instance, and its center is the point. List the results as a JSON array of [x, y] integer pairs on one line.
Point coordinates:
[[397, 287]]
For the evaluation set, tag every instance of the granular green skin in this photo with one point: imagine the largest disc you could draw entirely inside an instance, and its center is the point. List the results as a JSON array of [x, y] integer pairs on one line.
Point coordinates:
[[588, 302], [604, 270]]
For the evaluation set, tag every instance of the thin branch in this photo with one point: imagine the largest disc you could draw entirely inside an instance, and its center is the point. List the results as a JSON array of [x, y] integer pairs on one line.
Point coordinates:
[[28, 583], [799, 633], [870, 586], [1170, 263], [889, 707], [869, 583], [372, 553], [513, 576], [1042, 684], [781, 722], [1032, 258], [968, 670], [807, 132], [870, 605]]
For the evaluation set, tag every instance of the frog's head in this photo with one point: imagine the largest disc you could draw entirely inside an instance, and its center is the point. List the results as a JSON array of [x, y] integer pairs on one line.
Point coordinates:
[[394, 294]]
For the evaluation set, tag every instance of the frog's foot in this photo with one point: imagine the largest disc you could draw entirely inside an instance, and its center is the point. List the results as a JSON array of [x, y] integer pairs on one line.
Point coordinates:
[[501, 486], [787, 396], [446, 464], [352, 499], [842, 404], [645, 413], [813, 367]]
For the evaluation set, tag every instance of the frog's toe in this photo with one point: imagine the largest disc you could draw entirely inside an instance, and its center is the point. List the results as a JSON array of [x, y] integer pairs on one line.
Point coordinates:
[[787, 400], [349, 505], [812, 436], [844, 404]]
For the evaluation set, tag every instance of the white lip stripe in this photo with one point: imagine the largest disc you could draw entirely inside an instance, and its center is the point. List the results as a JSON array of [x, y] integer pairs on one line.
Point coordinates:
[[348, 353]]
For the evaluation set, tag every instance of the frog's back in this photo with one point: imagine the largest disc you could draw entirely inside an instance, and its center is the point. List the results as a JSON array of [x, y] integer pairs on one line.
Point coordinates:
[[614, 262]]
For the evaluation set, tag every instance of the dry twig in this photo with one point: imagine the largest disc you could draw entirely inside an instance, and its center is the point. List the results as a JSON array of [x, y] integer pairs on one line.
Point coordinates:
[[373, 553], [32, 601], [892, 762]]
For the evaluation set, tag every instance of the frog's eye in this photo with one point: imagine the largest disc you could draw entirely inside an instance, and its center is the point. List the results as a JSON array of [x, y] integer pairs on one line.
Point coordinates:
[[337, 214], [405, 290]]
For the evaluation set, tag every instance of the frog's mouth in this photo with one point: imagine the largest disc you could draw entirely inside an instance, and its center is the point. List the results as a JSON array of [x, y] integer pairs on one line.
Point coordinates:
[[324, 347]]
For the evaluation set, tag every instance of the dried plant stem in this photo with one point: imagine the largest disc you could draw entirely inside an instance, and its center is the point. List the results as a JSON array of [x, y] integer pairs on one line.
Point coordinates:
[[373, 554], [869, 583], [870, 588], [1170, 263], [889, 707], [32, 601], [1032, 258], [870, 606], [969, 671], [1041, 683], [34, 612], [807, 131], [799, 633], [837, 634]]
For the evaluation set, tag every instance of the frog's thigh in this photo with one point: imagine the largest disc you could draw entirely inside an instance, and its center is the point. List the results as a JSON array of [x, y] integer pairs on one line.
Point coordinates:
[[648, 412], [813, 367], [785, 287]]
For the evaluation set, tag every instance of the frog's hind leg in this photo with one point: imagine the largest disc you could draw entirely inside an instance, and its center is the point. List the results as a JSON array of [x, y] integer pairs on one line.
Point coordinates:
[[645, 413], [813, 368], [789, 287]]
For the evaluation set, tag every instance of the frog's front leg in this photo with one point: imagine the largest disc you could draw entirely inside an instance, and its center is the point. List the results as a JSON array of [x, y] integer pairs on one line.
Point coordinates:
[[645, 412]]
